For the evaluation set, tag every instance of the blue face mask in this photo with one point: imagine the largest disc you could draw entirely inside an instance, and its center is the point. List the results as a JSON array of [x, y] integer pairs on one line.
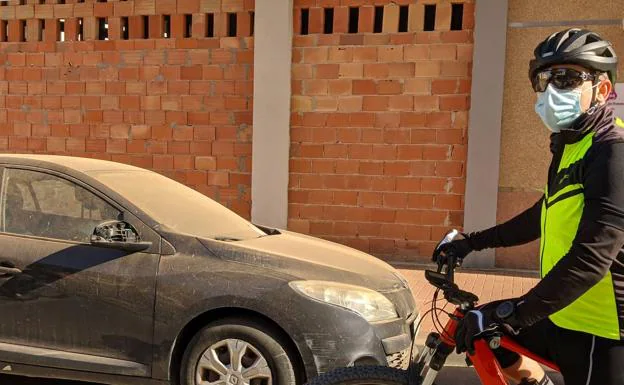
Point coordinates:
[[559, 108]]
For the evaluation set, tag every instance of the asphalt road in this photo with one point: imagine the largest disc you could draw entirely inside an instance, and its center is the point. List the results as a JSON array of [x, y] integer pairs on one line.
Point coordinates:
[[448, 376]]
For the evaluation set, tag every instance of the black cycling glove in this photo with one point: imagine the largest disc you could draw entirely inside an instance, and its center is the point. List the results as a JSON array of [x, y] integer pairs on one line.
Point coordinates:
[[459, 248]]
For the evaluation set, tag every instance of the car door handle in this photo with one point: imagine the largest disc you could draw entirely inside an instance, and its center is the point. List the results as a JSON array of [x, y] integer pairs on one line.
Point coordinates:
[[9, 270]]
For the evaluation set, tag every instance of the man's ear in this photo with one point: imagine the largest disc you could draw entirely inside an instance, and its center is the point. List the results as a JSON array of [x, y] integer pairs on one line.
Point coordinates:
[[604, 89]]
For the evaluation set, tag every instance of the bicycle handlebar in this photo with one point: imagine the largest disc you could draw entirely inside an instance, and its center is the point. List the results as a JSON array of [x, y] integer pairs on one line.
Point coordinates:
[[444, 279]]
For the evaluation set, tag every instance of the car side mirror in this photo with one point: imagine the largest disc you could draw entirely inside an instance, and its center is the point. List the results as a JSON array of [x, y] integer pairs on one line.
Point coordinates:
[[118, 235]]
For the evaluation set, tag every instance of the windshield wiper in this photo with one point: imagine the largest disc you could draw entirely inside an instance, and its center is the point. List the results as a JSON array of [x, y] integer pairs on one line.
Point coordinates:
[[227, 239]]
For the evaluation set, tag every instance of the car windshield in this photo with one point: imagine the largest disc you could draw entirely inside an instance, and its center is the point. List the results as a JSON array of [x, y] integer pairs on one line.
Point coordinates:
[[177, 206]]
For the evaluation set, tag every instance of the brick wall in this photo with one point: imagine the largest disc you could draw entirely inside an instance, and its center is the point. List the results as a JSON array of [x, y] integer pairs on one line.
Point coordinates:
[[379, 108], [379, 118], [161, 84]]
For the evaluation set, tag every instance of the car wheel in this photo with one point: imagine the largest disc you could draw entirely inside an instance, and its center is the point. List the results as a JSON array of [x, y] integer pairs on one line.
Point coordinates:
[[237, 352]]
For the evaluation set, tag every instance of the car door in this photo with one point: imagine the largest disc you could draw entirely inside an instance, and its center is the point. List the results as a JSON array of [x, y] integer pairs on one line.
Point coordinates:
[[63, 302]]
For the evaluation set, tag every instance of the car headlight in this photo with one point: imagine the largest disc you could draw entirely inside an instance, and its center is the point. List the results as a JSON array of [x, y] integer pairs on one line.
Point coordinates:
[[370, 304]]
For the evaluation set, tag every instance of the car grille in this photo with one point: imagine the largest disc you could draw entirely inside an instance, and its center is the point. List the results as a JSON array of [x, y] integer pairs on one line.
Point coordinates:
[[399, 360]]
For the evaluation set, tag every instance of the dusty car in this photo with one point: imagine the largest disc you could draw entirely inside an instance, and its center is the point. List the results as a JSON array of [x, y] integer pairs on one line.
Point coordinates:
[[114, 274]]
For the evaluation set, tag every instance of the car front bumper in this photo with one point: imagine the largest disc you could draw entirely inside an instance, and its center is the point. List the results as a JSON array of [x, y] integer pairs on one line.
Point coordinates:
[[332, 337]]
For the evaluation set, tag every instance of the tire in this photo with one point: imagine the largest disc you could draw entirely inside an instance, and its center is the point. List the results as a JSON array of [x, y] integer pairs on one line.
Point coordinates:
[[363, 375], [258, 346]]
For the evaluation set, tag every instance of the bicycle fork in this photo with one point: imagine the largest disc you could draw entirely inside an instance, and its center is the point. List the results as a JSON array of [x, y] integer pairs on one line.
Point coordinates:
[[430, 361]]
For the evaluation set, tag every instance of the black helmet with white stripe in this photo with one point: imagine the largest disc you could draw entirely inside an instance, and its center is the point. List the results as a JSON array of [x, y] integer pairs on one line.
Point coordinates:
[[575, 46]]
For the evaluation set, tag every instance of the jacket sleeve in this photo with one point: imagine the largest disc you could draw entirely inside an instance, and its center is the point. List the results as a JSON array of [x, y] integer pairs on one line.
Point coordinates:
[[598, 241], [523, 228]]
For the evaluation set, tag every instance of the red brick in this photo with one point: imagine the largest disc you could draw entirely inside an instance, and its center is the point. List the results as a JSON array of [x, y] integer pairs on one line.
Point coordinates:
[[340, 87], [180, 148], [120, 131], [112, 116], [51, 103], [449, 169], [116, 146], [387, 120], [145, 7], [439, 120], [90, 102], [410, 152], [218, 178], [180, 87], [150, 103], [316, 20], [134, 117], [464, 36], [206, 163], [364, 87], [201, 118], [351, 70], [443, 52], [401, 70], [103, 10], [367, 19], [413, 119], [454, 103], [375, 103], [56, 145], [327, 71], [341, 54], [391, 53], [435, 152], [364, 54], [162, 132], [176, 117], [16, 143], [133, 88], [377, 70], [177, 26], [454, 68], [341, 19], [16, 59], [154, 117], [444, 86], [416, 53], [163, 162], [451, 136], [401, 103], [465, 52], [183, 133], [425, 103], [427, 69], [140, 131], [93, 116], [389, 87]]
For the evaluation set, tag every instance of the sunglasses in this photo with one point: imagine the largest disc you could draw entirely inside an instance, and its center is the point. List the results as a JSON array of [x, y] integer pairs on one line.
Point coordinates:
[[561, 78]]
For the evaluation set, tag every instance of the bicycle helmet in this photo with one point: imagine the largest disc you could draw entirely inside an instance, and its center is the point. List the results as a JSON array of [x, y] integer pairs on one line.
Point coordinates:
[[575, 46]]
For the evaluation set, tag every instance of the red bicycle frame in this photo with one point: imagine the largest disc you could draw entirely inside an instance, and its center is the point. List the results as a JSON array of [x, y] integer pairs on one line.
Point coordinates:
[[483, 359]]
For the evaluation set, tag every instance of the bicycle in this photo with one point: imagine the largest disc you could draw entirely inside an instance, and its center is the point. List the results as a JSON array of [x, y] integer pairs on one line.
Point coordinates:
[[424, 366]]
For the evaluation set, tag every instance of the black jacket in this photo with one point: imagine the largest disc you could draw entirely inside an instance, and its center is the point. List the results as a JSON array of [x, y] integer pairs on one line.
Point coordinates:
[[597, 247]]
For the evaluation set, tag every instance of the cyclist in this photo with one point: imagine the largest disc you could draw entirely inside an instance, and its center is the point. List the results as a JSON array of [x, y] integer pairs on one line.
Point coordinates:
[[575, 314]]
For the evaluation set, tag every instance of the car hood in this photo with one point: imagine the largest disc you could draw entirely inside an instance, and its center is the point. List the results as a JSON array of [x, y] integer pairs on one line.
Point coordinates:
[[304, 257]]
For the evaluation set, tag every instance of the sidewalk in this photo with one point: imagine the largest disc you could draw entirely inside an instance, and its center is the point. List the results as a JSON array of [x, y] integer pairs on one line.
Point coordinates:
[[487, 285]]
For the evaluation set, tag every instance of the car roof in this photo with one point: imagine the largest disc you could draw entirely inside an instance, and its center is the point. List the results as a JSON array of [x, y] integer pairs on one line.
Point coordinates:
[[83, 165]]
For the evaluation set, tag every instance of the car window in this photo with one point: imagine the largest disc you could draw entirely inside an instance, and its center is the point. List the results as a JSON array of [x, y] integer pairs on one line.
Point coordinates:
[[178, 207], [40, 204]]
